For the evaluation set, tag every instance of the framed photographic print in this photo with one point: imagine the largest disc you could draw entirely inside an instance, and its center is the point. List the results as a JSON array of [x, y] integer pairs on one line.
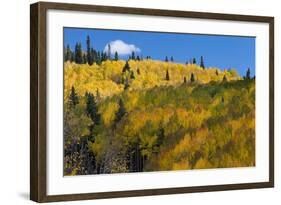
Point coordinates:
[[133, 102]]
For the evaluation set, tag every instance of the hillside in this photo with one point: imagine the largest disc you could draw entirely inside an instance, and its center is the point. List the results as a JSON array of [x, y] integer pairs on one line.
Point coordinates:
[[108, 77], [150, 123]]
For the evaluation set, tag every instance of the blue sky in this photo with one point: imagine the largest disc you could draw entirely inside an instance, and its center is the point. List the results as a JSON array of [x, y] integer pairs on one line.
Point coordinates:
[[218, 51]]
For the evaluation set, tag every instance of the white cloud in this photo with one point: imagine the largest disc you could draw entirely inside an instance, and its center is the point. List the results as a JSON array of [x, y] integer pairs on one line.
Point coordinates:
[[121, 47]]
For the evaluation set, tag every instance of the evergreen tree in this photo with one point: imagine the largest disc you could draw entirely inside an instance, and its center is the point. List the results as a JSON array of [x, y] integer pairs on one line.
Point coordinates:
[[73, 99], [224, 79], [166, 59], [138, 71], [98, 58], [202, 62], [160, 135], [194, 61], [184, 79], [95, 55], [64, 54], [132, 75], [138, 58], [78, 53], [109, 52], [89, 51], [172, 59], [92, 109], [133, 57], [98, 97], [120, 112], [167, 75], [217, 72], [192, 77], [68, 54], [126, 67], [248, 74], [92, 57], [72, 57], [84, 61], [126, 84], [116, 57], [103, 56]]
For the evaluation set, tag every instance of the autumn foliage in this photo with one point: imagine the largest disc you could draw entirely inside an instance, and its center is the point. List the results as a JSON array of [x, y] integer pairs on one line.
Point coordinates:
[[129, 117]]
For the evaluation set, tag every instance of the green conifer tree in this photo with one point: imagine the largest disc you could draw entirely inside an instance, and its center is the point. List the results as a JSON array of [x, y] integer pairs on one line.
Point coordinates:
[[116, 57], [138, 71], [73, 99], [217, 72], [72, 57], [132, 75], [167, 75], [109, 52], [192, 78], [133, 57], [121, 112], [92, 56], [68, 53], [78, 53], [126, 67], [194, 61], [248, 74], [99, 58], [184, 79], [98, 96], [103, 56], [92, 109], [202, 65], [84, 61], [126, 84], [89, 51]]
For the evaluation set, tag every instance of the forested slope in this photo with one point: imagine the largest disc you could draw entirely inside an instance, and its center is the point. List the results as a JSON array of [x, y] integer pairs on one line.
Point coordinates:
[[156, 116]]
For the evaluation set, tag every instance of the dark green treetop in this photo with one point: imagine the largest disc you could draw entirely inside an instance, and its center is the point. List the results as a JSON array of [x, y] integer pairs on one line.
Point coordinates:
[[73, 99]]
